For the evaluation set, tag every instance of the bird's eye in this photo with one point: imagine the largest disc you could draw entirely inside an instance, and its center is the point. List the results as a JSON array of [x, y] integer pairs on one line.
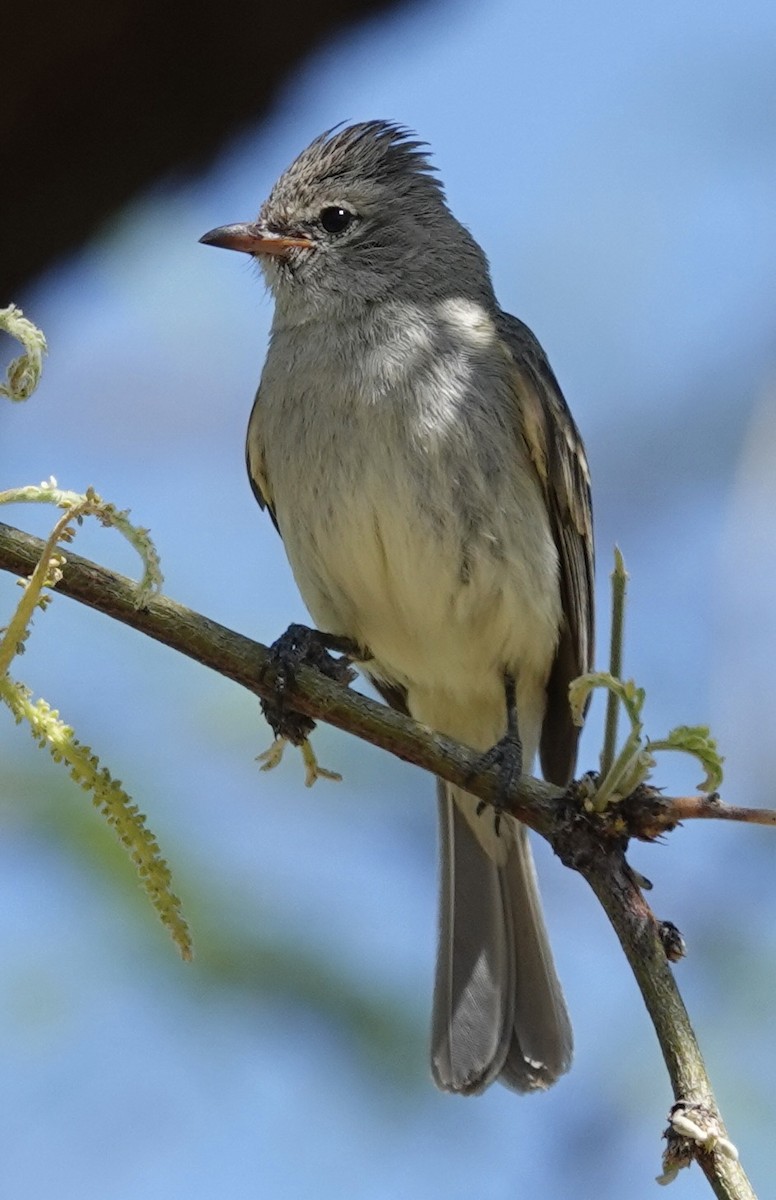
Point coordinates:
[[335, 219]]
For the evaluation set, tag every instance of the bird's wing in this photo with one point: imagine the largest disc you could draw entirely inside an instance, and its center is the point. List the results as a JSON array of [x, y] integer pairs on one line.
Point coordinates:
[[254, 461], [558, 456]]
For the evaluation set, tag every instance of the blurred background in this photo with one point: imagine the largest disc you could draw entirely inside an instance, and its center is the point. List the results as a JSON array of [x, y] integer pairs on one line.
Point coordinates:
[[618, 166]]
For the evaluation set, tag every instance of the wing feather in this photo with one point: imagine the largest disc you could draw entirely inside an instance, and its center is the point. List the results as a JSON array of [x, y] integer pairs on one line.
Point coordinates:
[[254, 461], [558, 455]]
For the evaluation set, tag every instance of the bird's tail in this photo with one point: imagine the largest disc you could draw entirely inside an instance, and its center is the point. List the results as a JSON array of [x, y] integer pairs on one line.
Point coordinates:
[[499, 1011]]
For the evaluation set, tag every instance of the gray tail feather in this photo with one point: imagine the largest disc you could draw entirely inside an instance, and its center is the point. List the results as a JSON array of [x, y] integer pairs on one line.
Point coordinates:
[[499, 1011]]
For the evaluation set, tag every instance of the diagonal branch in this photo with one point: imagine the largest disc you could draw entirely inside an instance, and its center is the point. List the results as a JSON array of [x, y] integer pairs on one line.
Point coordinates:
[[639, 935], [247, 663], [591, 843]]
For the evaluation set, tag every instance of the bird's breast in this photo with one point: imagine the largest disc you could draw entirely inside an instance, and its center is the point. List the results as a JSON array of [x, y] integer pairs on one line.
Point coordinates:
[[411, 520]]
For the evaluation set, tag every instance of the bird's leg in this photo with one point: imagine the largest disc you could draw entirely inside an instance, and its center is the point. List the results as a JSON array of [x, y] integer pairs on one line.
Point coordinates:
[[506, 755], [300, 646]]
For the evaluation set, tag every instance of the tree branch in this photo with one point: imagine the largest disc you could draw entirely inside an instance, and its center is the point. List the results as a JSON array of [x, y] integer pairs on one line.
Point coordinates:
[[689, 808], [591, 843], [639, 934], [247, 663]]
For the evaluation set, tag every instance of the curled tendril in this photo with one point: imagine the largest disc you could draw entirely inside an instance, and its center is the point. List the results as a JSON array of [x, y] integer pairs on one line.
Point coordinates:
[[23, 374]]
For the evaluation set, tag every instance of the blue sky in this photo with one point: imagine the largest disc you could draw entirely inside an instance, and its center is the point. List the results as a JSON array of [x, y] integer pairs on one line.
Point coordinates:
[[617, 164]]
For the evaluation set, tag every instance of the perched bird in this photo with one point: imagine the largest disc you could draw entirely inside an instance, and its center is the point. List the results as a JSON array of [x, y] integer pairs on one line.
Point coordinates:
[[415, 452]]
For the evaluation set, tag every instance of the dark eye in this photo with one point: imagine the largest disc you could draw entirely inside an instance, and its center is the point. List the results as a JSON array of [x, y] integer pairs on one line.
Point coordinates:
[[335, 219]]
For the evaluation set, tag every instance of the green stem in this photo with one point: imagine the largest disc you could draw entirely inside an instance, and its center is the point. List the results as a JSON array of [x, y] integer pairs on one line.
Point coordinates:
[[619, 578], [618, 777]]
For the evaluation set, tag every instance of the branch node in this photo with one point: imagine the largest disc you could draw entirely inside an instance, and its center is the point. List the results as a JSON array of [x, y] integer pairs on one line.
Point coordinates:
[[672, 940], [648, 814], [693, 1131], [581, 835]]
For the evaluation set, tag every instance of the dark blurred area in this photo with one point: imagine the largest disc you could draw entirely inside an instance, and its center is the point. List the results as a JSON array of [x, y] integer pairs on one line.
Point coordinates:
[[102, 100]]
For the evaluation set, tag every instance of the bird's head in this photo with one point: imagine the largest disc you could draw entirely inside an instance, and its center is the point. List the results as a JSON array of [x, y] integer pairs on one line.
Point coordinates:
[[359, 217]]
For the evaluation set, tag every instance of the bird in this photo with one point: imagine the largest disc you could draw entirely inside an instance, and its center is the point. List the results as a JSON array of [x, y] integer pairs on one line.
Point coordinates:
[[414, 450]]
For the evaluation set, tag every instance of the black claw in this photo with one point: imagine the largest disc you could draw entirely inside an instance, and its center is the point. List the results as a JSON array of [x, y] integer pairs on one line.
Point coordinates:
[[506, 756], [300, 646]]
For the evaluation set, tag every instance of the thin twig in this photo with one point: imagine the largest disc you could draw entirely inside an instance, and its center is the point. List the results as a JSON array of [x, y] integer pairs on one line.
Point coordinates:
[[711, 808], [648, 814]]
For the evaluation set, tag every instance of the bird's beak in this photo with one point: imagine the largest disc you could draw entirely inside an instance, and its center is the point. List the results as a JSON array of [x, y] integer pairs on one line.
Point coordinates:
[[253, 239]]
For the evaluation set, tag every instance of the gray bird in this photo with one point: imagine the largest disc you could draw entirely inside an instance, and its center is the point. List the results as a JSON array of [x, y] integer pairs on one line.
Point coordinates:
[[415, 452]]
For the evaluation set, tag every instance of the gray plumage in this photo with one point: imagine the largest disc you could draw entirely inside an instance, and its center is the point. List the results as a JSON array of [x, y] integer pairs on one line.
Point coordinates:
[[416, 454]]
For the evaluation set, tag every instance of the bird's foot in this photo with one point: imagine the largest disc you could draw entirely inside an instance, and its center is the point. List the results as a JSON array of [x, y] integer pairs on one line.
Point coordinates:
[[507, 757], [300, 646]]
